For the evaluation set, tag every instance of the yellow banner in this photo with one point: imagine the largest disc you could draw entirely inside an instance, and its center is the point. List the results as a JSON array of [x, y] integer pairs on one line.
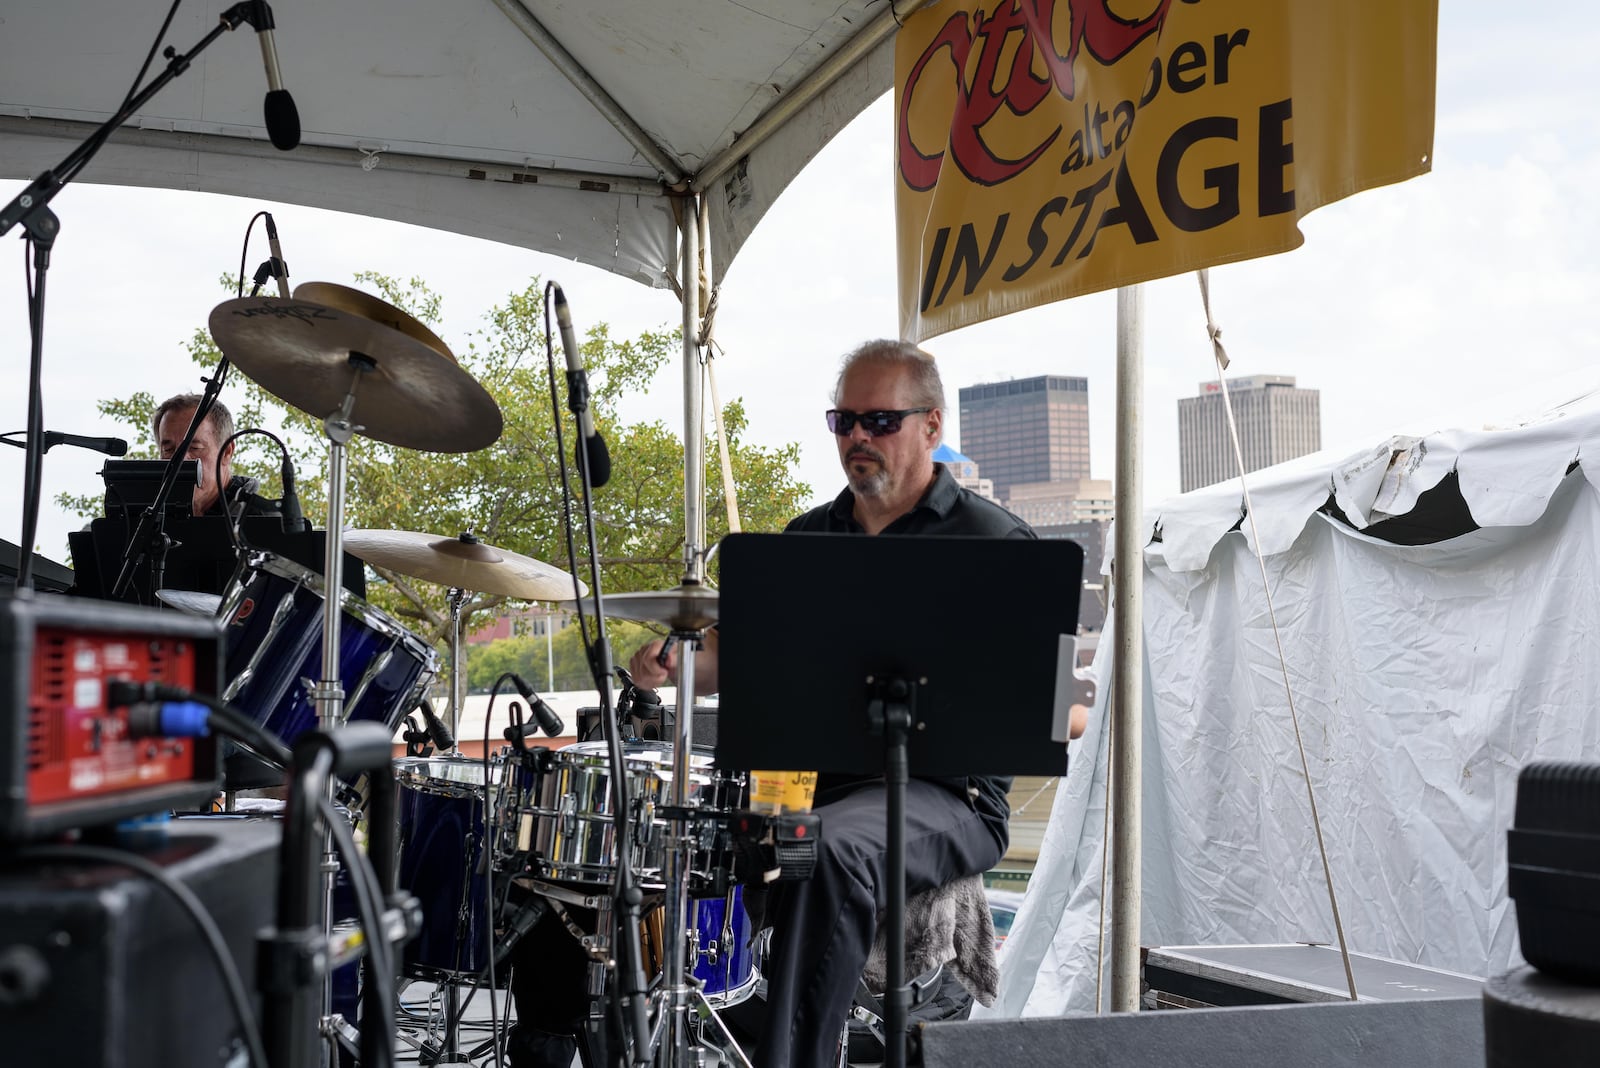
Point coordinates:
[[1046, 149]]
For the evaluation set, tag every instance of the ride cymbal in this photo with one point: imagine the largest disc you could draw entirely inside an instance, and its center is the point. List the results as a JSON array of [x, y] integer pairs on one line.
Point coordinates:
[[411, 392], [687, 607], [461, 563]]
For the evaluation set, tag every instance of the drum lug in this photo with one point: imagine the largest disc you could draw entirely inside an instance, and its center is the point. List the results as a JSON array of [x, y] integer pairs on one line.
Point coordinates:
[[379, 662], [645, 821], [569, 814]]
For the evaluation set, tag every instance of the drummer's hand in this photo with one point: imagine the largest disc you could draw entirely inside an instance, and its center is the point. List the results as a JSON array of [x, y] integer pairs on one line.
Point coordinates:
[[646, 668]]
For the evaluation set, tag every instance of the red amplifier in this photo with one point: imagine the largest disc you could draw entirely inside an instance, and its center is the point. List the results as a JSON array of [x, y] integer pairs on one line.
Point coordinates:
[[68, 760]]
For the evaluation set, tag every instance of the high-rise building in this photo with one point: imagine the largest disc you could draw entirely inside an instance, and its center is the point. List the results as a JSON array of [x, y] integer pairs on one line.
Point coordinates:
[[1277, 421], [1027, 430]]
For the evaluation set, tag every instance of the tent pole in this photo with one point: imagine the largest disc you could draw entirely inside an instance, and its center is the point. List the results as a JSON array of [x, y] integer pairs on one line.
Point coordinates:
[[694, 421], [1127, 669]]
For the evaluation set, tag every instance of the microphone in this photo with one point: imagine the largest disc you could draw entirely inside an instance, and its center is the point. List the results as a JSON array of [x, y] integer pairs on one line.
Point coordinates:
[[595, 454], [109, 446], [438, 733], [280, 266], [546, 716], [293, 521], [281, 116]]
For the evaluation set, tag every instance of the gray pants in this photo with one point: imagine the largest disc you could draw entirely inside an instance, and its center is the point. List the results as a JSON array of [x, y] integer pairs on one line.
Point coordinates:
[[823, 927]]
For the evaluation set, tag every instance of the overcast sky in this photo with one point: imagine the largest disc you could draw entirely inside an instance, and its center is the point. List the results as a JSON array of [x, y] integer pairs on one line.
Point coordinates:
[[1468, 295]]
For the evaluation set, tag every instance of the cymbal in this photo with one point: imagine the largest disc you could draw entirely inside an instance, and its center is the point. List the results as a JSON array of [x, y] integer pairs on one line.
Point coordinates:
[[191, 601], [461, 563], [345, 299], [690, 606], [304, 352]]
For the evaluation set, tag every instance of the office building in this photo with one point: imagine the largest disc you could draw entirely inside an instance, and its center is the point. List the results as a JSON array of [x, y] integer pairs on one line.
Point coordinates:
[[964, 471], [1027, 430], [1055, 503], [1277, 420]]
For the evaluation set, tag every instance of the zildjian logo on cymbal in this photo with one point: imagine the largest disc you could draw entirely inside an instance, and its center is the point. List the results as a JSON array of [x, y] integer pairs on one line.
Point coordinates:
[[305, 313]]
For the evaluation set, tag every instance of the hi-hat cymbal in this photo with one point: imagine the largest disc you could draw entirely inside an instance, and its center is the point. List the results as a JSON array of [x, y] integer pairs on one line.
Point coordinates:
[[192, 601], [305, 351], [687, 607], [461, 563]]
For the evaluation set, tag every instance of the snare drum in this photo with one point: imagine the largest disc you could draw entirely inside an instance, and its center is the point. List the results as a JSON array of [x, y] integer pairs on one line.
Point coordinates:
[[574, 835], [441, 849], [273, 609]]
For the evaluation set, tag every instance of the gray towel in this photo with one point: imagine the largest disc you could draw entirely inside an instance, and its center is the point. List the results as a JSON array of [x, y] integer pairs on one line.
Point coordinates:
[[949, 924]]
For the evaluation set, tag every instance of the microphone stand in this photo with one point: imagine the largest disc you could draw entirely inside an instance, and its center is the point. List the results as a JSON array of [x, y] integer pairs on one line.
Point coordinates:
[[625, 889], [150, 536], [31, 208]]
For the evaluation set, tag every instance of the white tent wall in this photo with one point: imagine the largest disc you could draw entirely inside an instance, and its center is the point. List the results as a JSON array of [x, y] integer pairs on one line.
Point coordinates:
[[1424, 676]]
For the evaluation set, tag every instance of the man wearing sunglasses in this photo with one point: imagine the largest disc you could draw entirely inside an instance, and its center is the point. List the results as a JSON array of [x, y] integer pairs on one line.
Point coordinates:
[[887, 419]]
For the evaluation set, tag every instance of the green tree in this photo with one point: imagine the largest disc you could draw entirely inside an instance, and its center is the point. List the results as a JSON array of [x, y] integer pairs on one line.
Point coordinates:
[[529, 656], [509, 494]]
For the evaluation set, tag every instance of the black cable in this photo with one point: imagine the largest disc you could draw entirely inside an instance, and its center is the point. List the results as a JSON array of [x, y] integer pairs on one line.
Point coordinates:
[[369, 903], [145, 67], [235, 522], [224, 718], [186, 900], [244, 253], [491, 841]]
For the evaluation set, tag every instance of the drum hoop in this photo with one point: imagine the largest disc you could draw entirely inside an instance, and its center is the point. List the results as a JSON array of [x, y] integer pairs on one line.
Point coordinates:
[[259, 560]]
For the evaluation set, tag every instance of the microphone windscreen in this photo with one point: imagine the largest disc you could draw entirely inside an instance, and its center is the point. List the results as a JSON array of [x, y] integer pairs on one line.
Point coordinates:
[[599, 459], [283, 119]]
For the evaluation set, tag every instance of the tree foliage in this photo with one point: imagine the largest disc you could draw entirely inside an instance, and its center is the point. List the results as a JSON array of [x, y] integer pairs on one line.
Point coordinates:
[[529, 656], [509, 494]]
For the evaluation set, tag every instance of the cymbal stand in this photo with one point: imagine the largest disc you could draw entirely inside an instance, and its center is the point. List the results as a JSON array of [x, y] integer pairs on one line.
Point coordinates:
[[458, 598], [675, 969], [328, 693]]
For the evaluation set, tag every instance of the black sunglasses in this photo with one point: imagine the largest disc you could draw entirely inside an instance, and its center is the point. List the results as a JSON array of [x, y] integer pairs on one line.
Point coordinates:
[[877, 424]]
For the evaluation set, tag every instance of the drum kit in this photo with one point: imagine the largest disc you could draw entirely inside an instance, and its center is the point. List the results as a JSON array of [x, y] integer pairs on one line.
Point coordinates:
[[487, 846]]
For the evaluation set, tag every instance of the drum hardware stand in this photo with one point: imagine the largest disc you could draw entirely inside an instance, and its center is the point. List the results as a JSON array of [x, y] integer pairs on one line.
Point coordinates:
[[328, 693], [674, 972], [458, 598]]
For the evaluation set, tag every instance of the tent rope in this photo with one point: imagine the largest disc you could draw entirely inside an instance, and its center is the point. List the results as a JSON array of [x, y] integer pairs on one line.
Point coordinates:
[[1221, 359]]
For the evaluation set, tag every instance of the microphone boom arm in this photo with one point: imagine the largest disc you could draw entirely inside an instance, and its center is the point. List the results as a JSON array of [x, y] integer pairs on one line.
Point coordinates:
[[31, 208]]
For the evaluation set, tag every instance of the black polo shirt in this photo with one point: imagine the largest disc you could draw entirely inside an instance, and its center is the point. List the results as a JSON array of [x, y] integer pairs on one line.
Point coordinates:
[[946, 509]]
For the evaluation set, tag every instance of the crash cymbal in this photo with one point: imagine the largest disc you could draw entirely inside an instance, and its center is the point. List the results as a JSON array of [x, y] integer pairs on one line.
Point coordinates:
[[461, 563], [191, 601], [687, 607], [304, 352], [345, 299]]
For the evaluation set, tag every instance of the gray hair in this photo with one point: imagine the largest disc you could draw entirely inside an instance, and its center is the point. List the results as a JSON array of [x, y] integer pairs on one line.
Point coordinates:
[[926, 385], [219, 417]]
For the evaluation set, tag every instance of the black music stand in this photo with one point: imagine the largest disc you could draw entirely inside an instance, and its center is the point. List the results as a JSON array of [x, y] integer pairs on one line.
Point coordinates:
[[952, 656]]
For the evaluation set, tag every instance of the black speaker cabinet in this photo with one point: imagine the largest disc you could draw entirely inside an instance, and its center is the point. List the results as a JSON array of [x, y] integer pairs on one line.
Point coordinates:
[[101, 967]]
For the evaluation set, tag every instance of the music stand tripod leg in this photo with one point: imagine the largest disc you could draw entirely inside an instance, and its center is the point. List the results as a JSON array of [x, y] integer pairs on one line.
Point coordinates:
[[890, 712]]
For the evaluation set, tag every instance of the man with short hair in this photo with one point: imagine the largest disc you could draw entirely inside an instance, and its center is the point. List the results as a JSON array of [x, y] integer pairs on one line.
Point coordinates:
[[888, 418], [169, 422]]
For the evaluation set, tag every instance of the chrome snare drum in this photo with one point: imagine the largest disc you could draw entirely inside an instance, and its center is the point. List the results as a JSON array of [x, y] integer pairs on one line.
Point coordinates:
[[574, 836]]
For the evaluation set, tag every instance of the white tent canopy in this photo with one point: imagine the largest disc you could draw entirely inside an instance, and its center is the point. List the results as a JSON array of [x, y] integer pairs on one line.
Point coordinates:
[[1432, 653], [569, 128]]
